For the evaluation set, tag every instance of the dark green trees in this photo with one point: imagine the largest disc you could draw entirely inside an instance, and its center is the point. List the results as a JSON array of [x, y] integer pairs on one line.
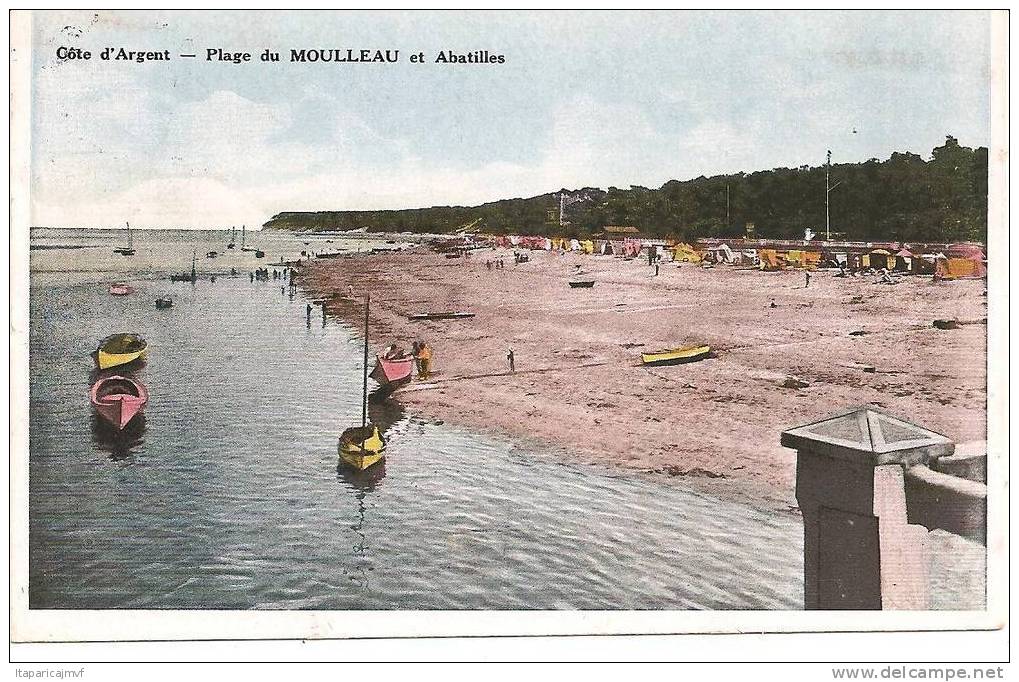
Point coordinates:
[[905, 198]]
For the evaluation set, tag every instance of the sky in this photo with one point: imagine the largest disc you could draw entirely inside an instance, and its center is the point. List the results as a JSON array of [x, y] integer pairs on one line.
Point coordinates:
[[583, 99]]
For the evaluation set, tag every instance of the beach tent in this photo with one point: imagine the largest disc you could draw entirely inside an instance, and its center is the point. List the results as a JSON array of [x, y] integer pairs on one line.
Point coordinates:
[[587, 246], [574, 245], [770, 260], [685, 253], [794, 258], [810, 260], [720, 254]]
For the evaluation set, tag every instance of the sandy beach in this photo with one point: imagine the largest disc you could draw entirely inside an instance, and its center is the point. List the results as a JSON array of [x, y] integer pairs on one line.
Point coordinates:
[[579, 385]]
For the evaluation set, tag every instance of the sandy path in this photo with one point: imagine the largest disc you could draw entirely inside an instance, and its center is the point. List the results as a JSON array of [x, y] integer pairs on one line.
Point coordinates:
[[579, 384]]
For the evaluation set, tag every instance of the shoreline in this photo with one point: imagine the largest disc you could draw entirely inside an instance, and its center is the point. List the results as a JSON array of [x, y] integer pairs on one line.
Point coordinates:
[[579, 386]]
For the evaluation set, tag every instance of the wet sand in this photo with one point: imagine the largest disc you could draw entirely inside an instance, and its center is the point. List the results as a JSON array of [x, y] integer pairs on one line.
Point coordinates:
[[579, 385]]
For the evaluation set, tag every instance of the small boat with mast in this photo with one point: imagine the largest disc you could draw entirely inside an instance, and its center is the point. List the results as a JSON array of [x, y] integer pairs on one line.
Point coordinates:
[[363, 446], [244, 247], [129, 249], [185, 277], [233, 237]]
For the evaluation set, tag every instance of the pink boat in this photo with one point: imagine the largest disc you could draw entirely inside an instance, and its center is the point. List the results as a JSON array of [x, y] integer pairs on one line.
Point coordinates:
[[120, 289], [393, 369], [118, 399]]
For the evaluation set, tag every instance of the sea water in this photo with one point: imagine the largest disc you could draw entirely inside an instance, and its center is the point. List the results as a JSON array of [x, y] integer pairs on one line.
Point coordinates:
[[228, 494]]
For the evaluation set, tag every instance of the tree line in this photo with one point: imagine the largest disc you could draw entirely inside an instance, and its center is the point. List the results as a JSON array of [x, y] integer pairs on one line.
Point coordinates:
[[904, 198]]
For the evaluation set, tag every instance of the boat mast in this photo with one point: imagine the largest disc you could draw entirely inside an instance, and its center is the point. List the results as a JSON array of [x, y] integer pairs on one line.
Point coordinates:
[[364, 389], [194, 257], [242, 237], [130, 241]]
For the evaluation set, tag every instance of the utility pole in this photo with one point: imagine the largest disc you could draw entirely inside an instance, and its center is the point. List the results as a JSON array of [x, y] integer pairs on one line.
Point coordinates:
[[827, 190], [727, 220]]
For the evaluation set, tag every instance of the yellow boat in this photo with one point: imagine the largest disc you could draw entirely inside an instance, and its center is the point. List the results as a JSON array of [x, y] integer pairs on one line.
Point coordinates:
[[675, 356], [120, 349], [362, 446]]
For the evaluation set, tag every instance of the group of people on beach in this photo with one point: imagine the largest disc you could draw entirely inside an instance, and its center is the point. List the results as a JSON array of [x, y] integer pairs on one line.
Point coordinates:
[[261, 274]]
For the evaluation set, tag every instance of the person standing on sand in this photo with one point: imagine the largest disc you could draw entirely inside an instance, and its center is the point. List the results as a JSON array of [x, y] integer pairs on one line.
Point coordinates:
[[509, 356], [424, 359], [656, 268], [808, 280]]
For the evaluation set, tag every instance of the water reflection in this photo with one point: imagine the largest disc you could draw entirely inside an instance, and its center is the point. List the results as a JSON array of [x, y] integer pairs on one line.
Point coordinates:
[[119, 444], [363, 483], [385, 413], [128, 369]]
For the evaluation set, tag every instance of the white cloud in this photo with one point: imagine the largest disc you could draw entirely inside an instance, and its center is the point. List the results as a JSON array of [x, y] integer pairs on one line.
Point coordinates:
[[166, 202]]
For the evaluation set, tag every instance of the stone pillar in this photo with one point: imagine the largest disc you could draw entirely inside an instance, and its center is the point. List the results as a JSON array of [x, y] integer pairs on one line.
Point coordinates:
[[859, 552]]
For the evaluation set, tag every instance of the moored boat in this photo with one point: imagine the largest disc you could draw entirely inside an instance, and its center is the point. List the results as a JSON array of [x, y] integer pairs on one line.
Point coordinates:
[[675, 356], [118, 399], [120, 289], [582, 284], [185, 277], [393, 369], [129, 249], [440, 316], [362, 446], [164, 303], [120, 349]]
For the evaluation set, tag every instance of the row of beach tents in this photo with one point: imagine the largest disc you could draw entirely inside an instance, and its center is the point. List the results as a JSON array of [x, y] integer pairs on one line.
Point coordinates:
[[955, 261]]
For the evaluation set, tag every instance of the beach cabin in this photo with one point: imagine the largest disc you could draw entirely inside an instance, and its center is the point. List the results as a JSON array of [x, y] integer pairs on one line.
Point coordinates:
[[903, 260], [878, 259], [961, 261]]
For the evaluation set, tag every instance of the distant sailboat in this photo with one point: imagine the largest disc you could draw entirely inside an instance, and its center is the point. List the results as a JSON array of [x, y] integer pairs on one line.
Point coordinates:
[[243, 240], [129, 249], [233, 237]]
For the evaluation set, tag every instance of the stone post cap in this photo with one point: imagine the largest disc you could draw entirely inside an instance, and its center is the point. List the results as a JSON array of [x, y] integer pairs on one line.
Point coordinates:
[[868, 435]]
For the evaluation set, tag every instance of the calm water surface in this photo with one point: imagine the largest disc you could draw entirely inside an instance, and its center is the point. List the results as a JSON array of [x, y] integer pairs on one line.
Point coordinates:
[[229, 495]]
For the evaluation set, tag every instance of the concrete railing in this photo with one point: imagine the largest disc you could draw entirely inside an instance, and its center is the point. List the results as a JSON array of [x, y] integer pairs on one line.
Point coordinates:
[[870, 486]]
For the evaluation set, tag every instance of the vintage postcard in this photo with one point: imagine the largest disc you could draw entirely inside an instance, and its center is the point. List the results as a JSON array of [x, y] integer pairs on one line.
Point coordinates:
[[364, 324]]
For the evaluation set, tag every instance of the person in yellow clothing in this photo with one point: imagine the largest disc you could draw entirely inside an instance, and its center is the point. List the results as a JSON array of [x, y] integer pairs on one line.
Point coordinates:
[[424, 360]]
